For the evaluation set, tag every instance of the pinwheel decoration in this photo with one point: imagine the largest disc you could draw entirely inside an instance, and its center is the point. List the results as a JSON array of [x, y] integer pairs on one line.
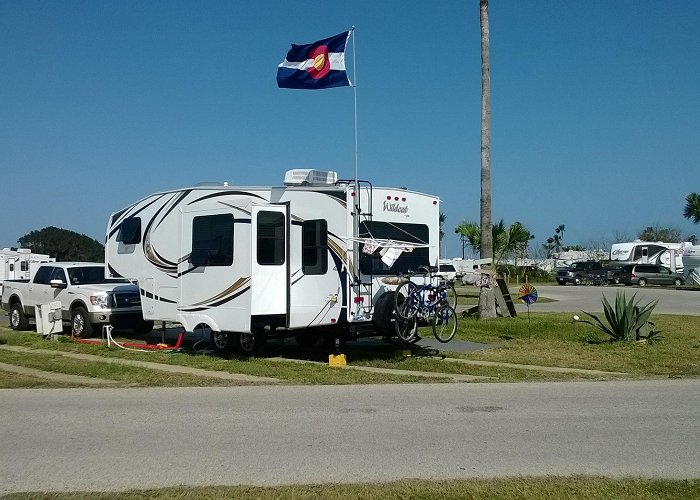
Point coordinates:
[[527, 294]]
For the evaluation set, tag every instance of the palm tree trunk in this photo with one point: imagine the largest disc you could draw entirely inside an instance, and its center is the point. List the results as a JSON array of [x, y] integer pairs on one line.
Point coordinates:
[[487, 298]]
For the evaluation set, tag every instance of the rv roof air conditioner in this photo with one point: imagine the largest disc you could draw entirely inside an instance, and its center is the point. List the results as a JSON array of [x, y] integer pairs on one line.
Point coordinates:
[[306, 176]]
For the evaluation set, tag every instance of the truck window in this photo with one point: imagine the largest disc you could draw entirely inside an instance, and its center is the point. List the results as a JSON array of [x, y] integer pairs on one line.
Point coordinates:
[[314, 243], [58, 274], [43, 275], [90, 275]]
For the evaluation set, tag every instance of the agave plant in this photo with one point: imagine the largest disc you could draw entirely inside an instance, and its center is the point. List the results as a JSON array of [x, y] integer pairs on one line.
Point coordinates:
[[627, 320]]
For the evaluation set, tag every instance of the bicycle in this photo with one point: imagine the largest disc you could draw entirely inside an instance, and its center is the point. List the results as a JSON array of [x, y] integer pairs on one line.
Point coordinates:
[[425, 303]]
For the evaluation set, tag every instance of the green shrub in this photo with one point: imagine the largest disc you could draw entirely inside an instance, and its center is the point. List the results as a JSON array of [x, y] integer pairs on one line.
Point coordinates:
[[627, 320]]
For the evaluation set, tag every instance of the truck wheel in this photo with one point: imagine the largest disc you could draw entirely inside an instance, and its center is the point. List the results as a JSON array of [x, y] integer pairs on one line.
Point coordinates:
[[80, 325], [561, 282], [578, 280], [616, 279], [143, 327], [18, 320]]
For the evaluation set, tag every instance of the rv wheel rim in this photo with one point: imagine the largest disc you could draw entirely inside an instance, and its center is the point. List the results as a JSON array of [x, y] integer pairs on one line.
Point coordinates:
[[220, 339], [247, 342]]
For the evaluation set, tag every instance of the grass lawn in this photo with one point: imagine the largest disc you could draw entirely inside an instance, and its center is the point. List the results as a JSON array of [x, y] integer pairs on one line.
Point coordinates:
[[555, 339], [547, 339], [545, 488]]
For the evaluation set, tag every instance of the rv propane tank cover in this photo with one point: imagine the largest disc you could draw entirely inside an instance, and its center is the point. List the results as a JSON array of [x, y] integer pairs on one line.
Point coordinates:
[[305, 176]]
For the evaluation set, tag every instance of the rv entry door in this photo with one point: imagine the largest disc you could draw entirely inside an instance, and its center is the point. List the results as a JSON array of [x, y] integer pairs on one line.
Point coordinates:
[[269, 282]]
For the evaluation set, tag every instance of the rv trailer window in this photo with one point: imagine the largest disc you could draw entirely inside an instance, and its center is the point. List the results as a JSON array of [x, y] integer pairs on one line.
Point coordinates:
[[212, 236], [314, 242], [23, 265], [130, 231], [410, 233], [271, 241]]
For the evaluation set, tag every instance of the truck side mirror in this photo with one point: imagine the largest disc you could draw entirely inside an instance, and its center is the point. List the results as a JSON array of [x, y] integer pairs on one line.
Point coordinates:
[[58, 284]]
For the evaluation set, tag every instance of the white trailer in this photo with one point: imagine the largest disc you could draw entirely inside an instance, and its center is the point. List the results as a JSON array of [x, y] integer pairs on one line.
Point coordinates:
[[20, 264], [650, 252], [315, 255]]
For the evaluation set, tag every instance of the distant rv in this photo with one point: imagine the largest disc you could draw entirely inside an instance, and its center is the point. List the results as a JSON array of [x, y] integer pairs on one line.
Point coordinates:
[[650, 252], [691, 264]]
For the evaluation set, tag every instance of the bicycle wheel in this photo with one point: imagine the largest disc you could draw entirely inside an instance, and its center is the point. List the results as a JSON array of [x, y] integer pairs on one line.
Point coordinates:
[[406, 300], [444, 323], [406, 330], [451, 295]]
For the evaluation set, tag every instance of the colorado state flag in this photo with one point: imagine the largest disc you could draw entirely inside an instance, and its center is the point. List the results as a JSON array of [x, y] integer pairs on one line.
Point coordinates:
[[318, 65]]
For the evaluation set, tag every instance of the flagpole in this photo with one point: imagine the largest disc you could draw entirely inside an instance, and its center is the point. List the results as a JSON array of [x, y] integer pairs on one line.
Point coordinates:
[[354, 93]]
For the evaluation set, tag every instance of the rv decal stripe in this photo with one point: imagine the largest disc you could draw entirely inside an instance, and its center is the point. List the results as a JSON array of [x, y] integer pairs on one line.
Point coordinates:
[[204, 308], [226, 193], [174, 204], [247, 212], [235, 286], [148, 250], [115, 229]]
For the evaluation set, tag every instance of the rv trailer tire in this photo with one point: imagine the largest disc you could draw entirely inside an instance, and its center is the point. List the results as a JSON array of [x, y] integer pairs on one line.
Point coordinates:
[[18, 320], [248, 343], [80, 323], [384, 314], [221, 341]]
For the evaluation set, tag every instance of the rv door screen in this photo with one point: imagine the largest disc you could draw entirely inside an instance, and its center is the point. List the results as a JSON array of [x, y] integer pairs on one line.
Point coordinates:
[[270, 267]]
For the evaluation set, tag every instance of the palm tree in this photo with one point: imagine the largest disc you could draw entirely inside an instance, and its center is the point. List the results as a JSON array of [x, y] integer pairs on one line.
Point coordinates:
[[442, 219], [507, 241], [692, 207], [559, 236], [487, 297]]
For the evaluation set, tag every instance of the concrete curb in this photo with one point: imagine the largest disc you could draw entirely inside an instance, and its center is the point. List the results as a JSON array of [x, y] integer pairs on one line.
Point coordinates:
[[393, 371]]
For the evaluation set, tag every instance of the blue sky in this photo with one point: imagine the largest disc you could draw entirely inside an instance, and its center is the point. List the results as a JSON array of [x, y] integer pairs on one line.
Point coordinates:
[[595, 107]]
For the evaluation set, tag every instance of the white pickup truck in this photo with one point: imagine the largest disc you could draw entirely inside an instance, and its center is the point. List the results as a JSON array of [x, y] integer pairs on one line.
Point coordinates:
[[88, 299]]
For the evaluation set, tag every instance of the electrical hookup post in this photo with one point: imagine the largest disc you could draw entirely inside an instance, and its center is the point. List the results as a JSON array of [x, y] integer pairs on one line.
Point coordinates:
[[528, 295]]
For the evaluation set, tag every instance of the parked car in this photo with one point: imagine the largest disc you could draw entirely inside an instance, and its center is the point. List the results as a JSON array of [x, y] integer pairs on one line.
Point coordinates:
[[649, 274], [447, 270], [579, 272]]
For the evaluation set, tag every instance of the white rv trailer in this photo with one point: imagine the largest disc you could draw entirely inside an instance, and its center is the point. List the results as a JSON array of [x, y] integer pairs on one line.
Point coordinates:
[[691, 264], [255, 261], [650, 252], [20, 263]]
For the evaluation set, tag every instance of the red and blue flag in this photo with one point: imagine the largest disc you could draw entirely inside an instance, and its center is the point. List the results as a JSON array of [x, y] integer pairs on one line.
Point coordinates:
[[318, 65]]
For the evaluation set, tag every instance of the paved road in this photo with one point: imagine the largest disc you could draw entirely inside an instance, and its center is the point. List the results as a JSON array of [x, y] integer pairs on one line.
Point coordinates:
[[588, 298], [115, 439]]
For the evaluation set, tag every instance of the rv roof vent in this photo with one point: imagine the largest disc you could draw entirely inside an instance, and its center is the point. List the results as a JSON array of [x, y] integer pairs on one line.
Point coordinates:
[[306, 176]]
